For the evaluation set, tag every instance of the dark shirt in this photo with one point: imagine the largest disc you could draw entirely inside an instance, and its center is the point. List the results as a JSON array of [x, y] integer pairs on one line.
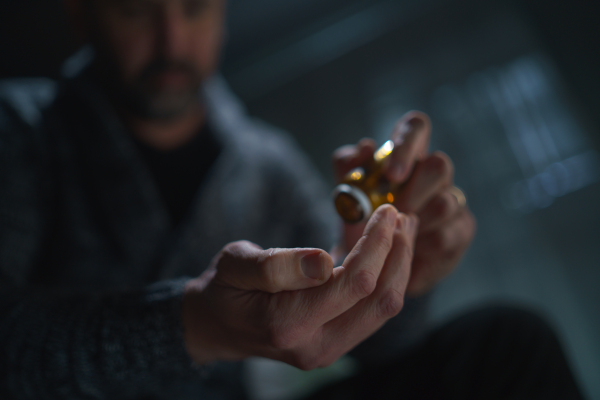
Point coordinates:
[[179, 173]]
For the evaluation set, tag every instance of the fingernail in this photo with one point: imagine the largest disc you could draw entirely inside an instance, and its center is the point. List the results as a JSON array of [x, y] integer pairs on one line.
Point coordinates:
[[312, 266], [415, 122]]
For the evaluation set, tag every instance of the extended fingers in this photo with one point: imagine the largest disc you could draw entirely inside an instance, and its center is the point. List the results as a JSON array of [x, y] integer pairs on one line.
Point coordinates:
[[411, 140], [455, 234], [359, 322], [441, 209], [364, 263], [438, 251], [388, 298], [358, 277], [298, 334], [431, 177]]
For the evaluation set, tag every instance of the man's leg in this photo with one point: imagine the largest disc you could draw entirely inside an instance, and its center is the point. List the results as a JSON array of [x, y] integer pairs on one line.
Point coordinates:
[[494, 353]]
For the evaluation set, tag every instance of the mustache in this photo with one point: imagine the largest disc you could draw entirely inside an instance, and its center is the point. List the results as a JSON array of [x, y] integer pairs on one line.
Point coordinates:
[[159, 66]]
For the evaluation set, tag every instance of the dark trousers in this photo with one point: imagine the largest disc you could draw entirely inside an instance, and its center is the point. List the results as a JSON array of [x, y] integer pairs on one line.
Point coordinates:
[[493, 353]]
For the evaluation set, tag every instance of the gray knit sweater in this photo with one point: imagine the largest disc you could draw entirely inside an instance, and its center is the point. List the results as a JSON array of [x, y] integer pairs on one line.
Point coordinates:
[[91, 271]]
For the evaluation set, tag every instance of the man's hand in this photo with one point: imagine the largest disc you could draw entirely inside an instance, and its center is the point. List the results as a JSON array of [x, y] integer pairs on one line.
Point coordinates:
[[254, 302], [446, 228]]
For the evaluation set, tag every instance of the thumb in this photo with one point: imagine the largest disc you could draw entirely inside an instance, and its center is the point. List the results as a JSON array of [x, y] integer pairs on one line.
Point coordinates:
[[246, 266]]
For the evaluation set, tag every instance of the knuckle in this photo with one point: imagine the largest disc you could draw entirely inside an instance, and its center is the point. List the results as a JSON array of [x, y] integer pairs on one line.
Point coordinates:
[[443, 206], [441, 164], [364, 283], [390, 304]]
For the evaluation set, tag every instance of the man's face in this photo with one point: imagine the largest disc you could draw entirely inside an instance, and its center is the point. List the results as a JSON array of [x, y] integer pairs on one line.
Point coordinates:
[[155, 53]]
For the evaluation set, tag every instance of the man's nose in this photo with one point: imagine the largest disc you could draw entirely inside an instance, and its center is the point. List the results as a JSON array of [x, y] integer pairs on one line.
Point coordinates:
[[172, 35]]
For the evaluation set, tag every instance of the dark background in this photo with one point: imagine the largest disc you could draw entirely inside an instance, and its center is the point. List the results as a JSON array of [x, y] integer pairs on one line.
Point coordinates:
[[511, 86]]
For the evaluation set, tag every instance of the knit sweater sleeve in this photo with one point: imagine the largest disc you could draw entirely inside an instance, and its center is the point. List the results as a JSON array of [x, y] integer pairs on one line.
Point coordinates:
[[90, 346], [72, 345]]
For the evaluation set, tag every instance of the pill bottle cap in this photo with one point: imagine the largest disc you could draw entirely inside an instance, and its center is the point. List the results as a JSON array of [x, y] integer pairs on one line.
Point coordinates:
[[352, 204]]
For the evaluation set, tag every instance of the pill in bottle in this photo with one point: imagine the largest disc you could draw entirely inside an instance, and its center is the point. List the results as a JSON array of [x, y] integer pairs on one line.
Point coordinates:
[[365, 188]]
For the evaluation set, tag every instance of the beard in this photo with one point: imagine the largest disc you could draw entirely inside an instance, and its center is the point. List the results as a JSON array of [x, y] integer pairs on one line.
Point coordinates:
[[154, 95], [163, 90]]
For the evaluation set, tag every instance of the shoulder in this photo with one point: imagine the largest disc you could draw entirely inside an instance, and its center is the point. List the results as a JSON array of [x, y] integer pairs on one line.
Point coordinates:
[[255, 141], [22, 106], [24, 154], [24, 173], [27, 97]]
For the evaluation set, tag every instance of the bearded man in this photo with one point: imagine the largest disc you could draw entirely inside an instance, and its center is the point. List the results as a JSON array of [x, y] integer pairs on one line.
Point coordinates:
[[138, 198]]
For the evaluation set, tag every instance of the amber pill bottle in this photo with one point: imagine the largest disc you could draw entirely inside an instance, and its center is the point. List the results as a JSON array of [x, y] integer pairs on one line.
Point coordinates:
[[365, 188]]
